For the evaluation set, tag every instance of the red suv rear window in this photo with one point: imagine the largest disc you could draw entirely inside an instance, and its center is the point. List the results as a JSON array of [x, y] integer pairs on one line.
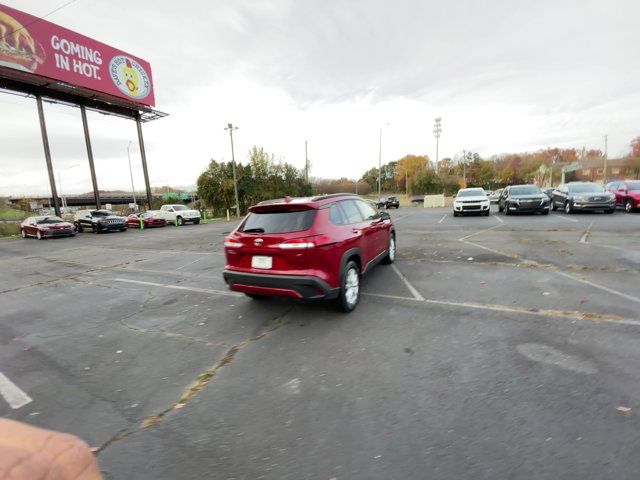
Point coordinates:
[[278, 222]]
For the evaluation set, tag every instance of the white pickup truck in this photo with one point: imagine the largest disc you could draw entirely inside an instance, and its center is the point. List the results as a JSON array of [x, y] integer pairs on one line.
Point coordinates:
[[178, 214]]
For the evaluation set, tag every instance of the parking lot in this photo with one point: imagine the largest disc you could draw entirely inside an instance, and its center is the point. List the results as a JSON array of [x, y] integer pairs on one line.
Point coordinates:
[[494, 347]]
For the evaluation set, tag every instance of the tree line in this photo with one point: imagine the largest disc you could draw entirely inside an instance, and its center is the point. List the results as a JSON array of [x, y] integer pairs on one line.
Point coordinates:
[[418, 175], [262, 178]]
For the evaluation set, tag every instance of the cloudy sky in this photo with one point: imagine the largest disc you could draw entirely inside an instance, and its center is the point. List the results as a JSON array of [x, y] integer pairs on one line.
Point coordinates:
[[504, 75]]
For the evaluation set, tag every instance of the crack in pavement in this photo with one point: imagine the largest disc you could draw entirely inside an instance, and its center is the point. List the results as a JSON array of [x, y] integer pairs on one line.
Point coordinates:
[[70, 276], [202, 380], [150, 297]]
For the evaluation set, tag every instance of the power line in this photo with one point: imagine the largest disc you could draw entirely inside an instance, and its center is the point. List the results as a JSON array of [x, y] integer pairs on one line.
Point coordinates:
[[37, 19]]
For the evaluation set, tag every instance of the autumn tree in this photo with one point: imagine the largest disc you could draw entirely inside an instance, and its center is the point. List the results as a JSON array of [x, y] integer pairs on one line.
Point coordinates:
[[408, 167]]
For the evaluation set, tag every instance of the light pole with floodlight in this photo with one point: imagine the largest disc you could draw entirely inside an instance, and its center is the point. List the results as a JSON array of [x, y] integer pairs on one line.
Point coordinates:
[[437, 130]]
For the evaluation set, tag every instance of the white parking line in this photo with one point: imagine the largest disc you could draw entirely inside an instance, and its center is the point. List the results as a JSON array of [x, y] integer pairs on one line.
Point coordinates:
[[180, 287], [463, 239], [573, 315], [566, 218], [442, 219], [599, 287], [585, 235], [15, 397], [498, 218], [416, 294]]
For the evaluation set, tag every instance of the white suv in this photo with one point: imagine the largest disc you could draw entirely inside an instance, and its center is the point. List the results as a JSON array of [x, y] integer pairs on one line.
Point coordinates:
[[471, 200], [178, 214]]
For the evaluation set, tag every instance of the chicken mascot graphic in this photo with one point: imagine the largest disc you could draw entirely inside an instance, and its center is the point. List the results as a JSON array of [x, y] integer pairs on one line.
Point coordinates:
[[131, 77]]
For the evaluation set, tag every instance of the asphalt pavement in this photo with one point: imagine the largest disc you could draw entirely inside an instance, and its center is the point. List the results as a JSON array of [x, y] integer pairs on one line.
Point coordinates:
[[495, 347]]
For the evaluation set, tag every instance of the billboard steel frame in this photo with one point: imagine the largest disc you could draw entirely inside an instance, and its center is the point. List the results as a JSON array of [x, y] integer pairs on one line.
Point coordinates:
[[51, 91]]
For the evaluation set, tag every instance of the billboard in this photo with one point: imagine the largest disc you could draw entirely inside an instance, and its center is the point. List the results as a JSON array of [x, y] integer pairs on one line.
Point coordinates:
[[42, 48]]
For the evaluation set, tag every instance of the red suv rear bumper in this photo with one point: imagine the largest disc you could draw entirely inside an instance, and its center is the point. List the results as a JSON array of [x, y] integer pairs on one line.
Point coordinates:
[[296, 286]]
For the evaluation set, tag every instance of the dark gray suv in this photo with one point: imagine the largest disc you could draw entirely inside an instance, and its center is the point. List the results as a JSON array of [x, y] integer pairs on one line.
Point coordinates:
[[582, 196]]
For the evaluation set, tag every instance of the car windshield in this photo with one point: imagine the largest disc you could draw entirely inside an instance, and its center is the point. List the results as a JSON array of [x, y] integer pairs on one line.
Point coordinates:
[[179, 208], [633, 186], [475, 192], [278, 222], [586, 188], [102, 213], [527, 190]]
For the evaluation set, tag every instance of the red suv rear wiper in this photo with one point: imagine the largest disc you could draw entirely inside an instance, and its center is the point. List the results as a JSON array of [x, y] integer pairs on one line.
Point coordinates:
[[253, 230]]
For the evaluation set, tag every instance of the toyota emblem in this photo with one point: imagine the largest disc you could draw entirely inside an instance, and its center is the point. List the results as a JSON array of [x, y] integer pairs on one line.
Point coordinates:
[[258, 241]]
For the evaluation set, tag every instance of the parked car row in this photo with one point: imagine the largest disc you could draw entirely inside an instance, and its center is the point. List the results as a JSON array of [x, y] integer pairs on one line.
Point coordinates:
[[570, 197], [100, 220]]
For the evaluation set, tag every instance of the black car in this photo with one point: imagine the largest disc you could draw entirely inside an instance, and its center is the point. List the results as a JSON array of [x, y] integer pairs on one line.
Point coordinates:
[[99, 221], [523, 199], [575, 196], [392, 202]]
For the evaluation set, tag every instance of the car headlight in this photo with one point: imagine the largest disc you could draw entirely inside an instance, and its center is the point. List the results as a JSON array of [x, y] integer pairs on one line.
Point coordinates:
[[579, 199]]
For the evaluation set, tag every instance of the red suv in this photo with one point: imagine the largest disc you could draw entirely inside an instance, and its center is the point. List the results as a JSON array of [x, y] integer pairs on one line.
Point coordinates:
[[627, 193], [308, 248]]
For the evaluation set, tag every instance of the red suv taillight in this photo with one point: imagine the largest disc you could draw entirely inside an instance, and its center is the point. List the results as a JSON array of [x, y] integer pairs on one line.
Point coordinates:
[[230, 242], [297, 244]]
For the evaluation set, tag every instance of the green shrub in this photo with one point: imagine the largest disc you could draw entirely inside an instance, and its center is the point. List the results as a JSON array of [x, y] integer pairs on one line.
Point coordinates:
[[8, 229]]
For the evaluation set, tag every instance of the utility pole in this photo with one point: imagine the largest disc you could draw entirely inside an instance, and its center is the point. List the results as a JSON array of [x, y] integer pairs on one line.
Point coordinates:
[[464, 167], [133, 190], [406, 181], [437, 130], [379, 163], [231, 128], [306, 163], [604, 172]]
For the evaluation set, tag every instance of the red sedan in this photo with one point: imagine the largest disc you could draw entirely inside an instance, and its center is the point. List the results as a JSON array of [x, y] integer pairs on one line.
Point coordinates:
[[149, 219], [46, 227]]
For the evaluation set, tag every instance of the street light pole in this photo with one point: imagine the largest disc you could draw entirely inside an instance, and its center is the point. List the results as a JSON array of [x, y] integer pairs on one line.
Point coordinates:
[[437, 130], [133, 190], [231, 128], [604, 172], [379, 163]]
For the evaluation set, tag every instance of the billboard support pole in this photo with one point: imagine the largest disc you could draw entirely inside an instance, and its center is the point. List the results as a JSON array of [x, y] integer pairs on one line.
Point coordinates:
[[92, 168], [144, 161], [47, 156]]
